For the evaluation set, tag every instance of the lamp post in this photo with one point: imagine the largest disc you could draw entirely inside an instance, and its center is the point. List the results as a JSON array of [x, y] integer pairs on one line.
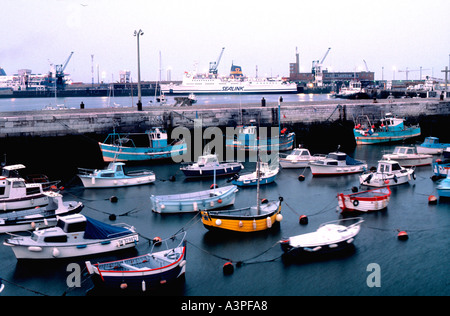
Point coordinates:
[[137, 34]]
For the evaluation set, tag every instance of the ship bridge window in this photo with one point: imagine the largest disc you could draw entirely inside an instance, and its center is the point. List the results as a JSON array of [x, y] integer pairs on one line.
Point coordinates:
[[332, 163], [396, 166], [18, 184], [61, 238], [33, 190]]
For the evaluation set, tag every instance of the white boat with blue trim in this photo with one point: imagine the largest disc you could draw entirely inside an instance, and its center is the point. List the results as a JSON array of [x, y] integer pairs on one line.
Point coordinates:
[[73, 236]]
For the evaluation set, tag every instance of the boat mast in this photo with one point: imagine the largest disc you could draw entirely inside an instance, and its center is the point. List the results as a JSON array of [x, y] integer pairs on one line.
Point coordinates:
[[258, 201]]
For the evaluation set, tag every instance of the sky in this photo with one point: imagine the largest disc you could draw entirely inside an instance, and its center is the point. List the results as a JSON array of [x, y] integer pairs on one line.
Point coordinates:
[[393, 35]]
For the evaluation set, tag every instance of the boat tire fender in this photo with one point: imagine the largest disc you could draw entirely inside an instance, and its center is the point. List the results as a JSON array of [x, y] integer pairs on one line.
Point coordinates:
[[355, 202]]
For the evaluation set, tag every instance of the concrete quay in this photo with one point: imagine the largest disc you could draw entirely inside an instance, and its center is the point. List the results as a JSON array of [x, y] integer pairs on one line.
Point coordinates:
[[103, 120]]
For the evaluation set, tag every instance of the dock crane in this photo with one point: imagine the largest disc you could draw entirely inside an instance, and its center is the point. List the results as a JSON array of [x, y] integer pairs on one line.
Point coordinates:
[[213, 65], [59, 72], [407, 71], [317, 65]]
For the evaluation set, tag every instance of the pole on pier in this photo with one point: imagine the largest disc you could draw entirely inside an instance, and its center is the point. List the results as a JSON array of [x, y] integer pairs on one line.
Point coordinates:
[[446, 79], [137, 34]]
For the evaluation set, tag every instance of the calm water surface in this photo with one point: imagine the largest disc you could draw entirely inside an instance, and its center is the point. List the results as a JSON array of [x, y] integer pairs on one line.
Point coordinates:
[[418, 266]]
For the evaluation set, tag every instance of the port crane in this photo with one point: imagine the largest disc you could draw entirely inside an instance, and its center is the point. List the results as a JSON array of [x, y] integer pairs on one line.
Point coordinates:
[[317, 65], [213, 65], [59, 72]]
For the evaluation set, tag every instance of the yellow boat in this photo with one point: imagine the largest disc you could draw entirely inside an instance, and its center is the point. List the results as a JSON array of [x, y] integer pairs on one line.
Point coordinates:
[[245, 220]]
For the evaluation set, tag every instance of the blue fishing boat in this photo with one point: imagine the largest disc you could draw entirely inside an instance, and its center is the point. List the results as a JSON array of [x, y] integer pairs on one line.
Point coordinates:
[[151, 145], [267, 174], [390, 129], [443, 188], [431, 145], [441, 168], [247, 139]]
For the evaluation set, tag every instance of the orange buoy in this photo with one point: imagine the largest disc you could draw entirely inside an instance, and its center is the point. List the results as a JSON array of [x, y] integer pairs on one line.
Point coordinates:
[[213, 186], [301, 178], [219, 201], [264, 201], [432, 199], [157, 241], [402, 235], [228, 268], [303, 220], [123, 286]]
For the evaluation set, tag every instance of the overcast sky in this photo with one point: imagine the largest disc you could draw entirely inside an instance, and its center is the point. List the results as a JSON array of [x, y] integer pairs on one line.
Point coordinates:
[[263, 34]]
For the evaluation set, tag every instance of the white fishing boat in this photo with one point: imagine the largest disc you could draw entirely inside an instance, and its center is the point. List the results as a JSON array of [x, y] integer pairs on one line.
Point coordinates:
[[299, 158], [329, 237], [388, 172], [16, 194], [194, 201], [114, 176], [73, 236], [337, 163], [408, 157], [208, 165], [40, 217], [267, 174]]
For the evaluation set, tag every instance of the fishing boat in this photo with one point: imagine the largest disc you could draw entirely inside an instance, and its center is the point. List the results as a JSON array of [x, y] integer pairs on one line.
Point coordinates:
[[144, 272], [443, 188], [432, 146], [114, 175], [337, 163], [40, 217], [329, 237], [208, 165], [73, 236], [388, 172], [267, 174], [16, 194], [365, 201], [247, 139], [408, 157], [391, 129], [441, 168], [299, 158], [151, 145], [194, 201], [353, 91]]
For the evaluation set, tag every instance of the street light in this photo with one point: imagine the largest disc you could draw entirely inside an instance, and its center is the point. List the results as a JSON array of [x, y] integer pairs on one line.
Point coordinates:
[[137, 34]]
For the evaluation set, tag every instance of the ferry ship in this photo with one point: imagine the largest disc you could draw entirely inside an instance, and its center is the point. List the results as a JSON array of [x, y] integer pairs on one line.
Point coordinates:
[[236, 83]]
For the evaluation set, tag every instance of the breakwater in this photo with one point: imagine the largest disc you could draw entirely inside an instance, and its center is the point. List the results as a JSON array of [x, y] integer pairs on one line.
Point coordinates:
[[129, 119]]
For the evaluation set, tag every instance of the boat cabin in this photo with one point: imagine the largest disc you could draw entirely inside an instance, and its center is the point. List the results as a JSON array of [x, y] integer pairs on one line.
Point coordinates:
[[388, 166], [430, 141], [300, 152], [392, 123], [157, 137], [405, 150], [114, 169], [60, 233], [12, 171], [207, 160]]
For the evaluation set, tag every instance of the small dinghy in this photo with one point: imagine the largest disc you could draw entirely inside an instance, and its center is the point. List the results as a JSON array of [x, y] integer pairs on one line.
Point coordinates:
[[388, 172], [73, 236], [365, 201], [329, 237], [143, 272]]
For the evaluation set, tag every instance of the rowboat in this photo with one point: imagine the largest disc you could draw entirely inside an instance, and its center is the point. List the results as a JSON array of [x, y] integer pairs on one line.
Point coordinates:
[[144, 272], [365, 201], [73, 236], [408, 157], [114, 175], [329, 237], [40, 217], [194, 201], [391, 129], [389, 172], [443, 188]]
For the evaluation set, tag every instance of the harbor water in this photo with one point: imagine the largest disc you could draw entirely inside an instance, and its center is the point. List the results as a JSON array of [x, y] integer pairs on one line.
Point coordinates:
[[417, 266]]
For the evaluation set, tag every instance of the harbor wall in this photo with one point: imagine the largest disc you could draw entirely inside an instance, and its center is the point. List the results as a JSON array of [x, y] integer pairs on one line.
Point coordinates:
[[103, 120]]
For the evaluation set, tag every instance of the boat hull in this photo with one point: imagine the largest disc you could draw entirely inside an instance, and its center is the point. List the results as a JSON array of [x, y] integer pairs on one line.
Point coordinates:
[[366, 201], [382, 180], [441, 169], [230, 222], [243, 182], [282, 143], [121, 153], [443, 189], [385, 137], [410, 162], [429, 150], [97, 182], [326, 170], [139, 280], [185, 203], [222, 170], [20, 203]]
